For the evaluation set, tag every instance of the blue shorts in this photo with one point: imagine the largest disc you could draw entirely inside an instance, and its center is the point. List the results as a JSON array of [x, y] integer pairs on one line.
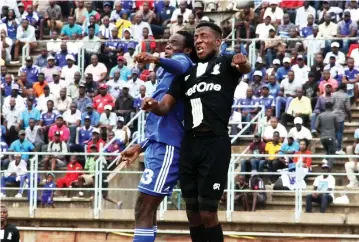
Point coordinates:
[[161, 169]]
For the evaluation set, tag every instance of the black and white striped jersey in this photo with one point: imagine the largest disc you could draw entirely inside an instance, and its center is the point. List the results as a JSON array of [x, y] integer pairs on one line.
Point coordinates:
[[207, 90]]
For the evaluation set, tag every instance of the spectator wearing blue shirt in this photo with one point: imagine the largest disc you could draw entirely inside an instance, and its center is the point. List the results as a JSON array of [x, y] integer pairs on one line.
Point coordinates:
[[282, 71], [350, 78], [287, 148], [257, 83], [128, 5], [94, 116], [11, 23], [258, 67], [164, 12], [31, 16], [91, 22], [82, 99], [83, 136], [71, 28], [112, 49], [6, 85], [3, 73], [127, 40], [137, 102], [4, 159], [60, 57], [29, 112], [248, 112], [308, 29], [32, 71], [266, 100], [125, 72], [22, 145], [273, 86], [41, 60]]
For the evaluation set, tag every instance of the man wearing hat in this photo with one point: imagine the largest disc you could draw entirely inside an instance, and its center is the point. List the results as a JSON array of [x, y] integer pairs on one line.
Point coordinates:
[[299, 131], [50, 69], [121, 129], [275, 12], [31, 70], [55, 146], [16, 172], [257, 83], [301, 70], [268, 101], [68, 71], [61, 128], [129, 56], [282, 72], [103, 99], [323, 183], [125, 72], [96, 140], [108, 119], [339, 56], [20, 101], [93, 114]]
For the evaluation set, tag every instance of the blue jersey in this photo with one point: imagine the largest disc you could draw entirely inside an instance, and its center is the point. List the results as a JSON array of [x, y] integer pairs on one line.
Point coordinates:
[[49, 188], [49, 118], [85, 135], [4, 147], [168, 129], [32, 73], [60, 58], [350, 75]]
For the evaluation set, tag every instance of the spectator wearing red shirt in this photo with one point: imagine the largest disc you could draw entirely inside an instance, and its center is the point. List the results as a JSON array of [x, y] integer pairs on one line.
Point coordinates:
[[290, 7], [103, 99], [70, 177], [303, 150], [61, 127], [142, 72], [139, 4], [96, 140], [148, 42]]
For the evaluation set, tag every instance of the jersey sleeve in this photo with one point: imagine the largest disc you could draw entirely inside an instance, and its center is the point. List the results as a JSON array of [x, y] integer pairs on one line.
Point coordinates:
[[178, 86]]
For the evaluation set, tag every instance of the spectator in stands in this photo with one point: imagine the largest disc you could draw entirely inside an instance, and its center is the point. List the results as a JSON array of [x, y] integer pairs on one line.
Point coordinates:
[[6, 46], [327, 126], [105, 30], [63, 102], [71, 176], [320, 105], [54, 44], [41, 60], [68, 71], [72, 117], [318, 66], [282, 72], [274, 127], [112, 49], [340, 57], [103, 99], [12, 23], [300, 132], [288, 91], [115, 84], [116, 12], [121, 131], [303, 13], [107, 120], [129, 56], [273, 86], [300, 70], [325, 184], [50, 70], [336, 70], [288, 148], [315, 40], [55, 146], [300, 106], [341, 108], [307, 29], [56, 85], [151, 84], [262, 29], [347, 28], [249, 108], [272, 148], [31, 70], [123, 23], [178, 26], [40, 85], [71, 28], [147, 14], [29, 112], [257, 83], [125, 72], [350, 78], [138, 26], [42, 100], [15, 173], [124, 103], [94, 115], [310, 89], [257, 147], [91, 87], [80, 13], [93, 24], [165, 14], [61, 56], [34, 134], [22, 145], [19, 101], [48, 117], [88, 178], [96, 140], [25, 34], [182, 10], [92, 44], [73, 89], [61, 128], [31, 16], [12, 120], [148, 43], [53, 16], [284, 28], [134, 83], [137, 103], [304, 150], [270, 47], [256, 183], [97, 69], [275, 12], [327, 80], [127, 40], [82, 100], [84, 134], [6, 85], [47, 196]]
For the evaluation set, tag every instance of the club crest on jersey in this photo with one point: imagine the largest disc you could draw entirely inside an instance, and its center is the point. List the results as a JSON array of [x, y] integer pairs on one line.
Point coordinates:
[[201, 69], [216, 69]]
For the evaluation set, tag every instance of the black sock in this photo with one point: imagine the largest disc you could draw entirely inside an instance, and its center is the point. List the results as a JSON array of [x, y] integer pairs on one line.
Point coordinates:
[[214, 234], [197, 233]]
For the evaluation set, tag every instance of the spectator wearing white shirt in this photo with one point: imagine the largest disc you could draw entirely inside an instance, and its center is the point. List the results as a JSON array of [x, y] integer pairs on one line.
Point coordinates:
[[182, 10], [334, 68], [262, 29], [34, 134], [315, 41], [6, 44], [53, 45], [130, 55], [25, 35], [354, 11], [63, 102], [303, 13], [121, 129], [108, 119], [92, 44], [241, 89], [19, 101], [73, 88], [115, 84], [72, 117], [300, 132], [339, 56], [355, 55], [97, 69], [42, 100], [151, 84], [333, 12], [301, 70], [75, 45], [68, 71], [275, 12], [106, 28], [134, 84], [12, 120], [274, 126], [138, 27]]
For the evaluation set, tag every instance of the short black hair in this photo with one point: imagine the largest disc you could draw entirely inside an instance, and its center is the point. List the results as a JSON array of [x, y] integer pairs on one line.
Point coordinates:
[[212, 26], [306, 141], [91, 27], [189, 43], [328, 105], [276, 133]]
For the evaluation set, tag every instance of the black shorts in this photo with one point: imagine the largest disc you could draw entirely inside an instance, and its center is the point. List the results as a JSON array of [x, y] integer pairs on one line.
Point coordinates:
[[203, 170]]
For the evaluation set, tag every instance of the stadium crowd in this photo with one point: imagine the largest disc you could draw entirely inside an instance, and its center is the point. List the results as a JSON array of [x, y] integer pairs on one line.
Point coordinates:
[[50, 106]]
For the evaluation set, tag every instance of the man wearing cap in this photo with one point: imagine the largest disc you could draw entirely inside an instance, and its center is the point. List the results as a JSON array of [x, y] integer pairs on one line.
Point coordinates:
[[266, 100], [20, 101], [257, 83], [299, 131], [22, 145], [31, 70], [93, 114], [121, 130], [61, 128], [97, 69], [125, 72], [95, 140], [16, 172], [108, 119], [336, 69], [24, 34], [39, 85], [300, 106], [68, 71], [301, 70], [55, 146], [282, 72], [50, 69], [258, 67], [339, 56], [29, 112], [273, 69], [274, 11], [82, 100], [103, 99], [71, 28], [323, 183], [130, 55]]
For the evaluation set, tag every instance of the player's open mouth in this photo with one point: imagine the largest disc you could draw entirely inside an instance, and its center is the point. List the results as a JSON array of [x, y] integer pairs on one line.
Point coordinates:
[[199, 50]]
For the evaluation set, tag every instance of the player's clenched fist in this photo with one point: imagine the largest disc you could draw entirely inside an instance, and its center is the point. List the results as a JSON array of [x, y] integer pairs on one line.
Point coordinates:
[[239, 60], [149, 104], [146, 58]]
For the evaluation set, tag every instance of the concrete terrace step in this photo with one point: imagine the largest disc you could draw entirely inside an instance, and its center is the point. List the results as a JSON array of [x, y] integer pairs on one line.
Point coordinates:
[[59, 202]]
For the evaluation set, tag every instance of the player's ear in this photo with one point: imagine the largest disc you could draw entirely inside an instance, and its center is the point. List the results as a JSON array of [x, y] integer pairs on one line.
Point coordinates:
[[187, 51], [218, 42]]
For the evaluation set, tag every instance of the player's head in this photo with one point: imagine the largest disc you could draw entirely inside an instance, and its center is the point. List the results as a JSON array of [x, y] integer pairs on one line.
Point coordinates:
[[3, 213], [207, 38], [180, 42]]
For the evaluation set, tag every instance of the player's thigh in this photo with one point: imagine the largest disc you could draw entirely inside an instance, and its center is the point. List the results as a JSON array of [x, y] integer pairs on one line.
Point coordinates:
[[161, 170], [213, 171]]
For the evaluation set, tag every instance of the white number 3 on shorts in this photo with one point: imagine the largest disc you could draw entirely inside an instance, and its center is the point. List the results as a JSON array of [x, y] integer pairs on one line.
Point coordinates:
[[147, 176]]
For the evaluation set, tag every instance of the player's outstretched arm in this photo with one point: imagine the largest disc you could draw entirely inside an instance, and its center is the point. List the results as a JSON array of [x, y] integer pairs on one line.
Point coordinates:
[[159, 108], [241, 63], [131, 154]]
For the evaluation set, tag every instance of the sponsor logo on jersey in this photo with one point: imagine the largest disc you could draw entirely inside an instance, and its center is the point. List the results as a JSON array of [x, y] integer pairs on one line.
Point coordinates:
[[216, 186], [203, 87]]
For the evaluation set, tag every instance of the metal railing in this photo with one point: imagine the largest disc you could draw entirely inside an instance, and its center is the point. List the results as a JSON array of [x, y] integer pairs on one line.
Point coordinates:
[[25, 52]]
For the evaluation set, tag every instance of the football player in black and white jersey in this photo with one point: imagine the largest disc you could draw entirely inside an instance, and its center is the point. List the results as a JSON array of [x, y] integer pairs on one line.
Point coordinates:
[[8, 232], [207, 91]]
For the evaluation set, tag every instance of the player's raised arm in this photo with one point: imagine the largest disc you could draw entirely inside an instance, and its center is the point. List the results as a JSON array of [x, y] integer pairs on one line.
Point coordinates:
[[159, 108], [241, 63]]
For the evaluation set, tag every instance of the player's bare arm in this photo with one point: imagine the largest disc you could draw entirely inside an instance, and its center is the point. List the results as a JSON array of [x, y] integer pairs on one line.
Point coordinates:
[[131, 154], [146, 58], [159, 108], [240, 62]]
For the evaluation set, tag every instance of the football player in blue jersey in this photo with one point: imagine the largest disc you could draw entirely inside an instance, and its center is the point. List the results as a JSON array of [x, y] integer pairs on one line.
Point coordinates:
[[163, 138]]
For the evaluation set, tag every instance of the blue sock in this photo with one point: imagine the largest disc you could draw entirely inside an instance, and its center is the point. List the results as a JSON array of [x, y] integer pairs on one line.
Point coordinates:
[[143, 235], [154, 232]]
